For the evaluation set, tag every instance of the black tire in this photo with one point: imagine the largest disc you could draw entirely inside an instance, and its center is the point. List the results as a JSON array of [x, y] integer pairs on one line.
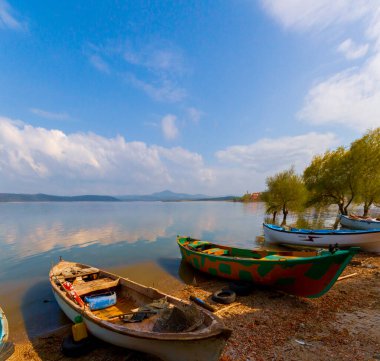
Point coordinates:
[[70, 348], [225, 296], [241, 288]]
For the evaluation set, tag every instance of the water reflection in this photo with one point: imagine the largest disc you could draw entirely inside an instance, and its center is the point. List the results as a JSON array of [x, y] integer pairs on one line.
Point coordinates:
[[314, 218], [135, 240]]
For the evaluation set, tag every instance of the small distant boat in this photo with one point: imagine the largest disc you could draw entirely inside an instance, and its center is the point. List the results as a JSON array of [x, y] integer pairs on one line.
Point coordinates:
[[3, 332], [367, 240], [139, 318], [301, 273], [356, 222]]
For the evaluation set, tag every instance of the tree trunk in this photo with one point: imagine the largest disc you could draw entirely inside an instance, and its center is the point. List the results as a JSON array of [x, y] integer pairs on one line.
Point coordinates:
[[341, 209], [336, 223], [346, 206], [285, 213], [274, 217], [366, 209]]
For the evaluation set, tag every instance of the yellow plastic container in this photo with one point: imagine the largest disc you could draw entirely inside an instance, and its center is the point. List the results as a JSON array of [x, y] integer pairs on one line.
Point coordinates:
[[79, 330]]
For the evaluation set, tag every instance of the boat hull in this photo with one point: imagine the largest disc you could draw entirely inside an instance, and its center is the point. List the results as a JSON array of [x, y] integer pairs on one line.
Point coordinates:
[[351, 223], [307, 277], [368, 241], [3, 328], [199, 347]]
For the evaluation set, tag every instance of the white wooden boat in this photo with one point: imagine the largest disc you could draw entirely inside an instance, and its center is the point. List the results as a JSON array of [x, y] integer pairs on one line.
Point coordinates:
[[356, 222], [367, 240], [4, 332], [199, 336]]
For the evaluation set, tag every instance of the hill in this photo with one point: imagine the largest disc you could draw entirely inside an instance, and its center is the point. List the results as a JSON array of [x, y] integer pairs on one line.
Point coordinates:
[[40, 197], [165, 196]]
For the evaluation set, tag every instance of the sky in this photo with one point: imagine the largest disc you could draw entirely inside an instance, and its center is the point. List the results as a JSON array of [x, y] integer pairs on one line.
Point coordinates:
[[212, 97]]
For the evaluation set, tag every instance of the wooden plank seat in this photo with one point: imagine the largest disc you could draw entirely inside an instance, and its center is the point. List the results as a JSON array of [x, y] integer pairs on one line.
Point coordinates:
[[73, 272], [100, 284], [216, 251], [197, 245]]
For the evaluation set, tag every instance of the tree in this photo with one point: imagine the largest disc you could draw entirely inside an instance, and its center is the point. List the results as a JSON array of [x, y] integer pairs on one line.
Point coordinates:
[[286, 192], [331, 179], [273, 206], [366, 163]]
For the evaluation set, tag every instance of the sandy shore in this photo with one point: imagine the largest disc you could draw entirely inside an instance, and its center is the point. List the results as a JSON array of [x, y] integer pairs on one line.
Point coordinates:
[[344, 324]]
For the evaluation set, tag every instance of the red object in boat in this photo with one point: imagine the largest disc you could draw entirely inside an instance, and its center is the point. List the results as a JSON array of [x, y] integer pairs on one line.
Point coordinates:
[[70, 289]]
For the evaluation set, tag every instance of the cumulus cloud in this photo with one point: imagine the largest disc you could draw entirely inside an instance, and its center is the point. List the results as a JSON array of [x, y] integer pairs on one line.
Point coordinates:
[[43, 160], [271, 155], [169, 127], [351, 96], [8, 19], [35, 159]]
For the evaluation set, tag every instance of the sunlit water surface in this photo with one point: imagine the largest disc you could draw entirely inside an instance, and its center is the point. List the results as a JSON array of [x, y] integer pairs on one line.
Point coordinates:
[[133, 239]]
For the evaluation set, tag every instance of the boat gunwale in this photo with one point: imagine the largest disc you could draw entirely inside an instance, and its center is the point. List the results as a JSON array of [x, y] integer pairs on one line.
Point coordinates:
[[348, 255], [215, 329], [368, 221], [332, 232], [325, 254]]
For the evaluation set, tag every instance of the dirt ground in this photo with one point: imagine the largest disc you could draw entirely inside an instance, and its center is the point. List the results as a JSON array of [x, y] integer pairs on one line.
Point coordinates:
[[344, 324]]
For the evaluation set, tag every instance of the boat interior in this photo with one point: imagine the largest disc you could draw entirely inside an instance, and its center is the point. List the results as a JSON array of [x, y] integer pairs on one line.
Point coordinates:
[[220, 250], [135, 307]]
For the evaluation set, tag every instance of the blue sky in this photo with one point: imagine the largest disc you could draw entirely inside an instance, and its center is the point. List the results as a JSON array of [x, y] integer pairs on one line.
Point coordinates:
[[212, 97]]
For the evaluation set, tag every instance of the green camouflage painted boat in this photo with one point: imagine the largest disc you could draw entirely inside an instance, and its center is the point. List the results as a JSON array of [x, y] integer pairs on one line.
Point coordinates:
[[301, 273]]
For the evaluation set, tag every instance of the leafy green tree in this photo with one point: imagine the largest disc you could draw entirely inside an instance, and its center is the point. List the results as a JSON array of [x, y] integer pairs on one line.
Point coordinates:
[[366, 163], [273, 205], [286, 192], [331, 179]]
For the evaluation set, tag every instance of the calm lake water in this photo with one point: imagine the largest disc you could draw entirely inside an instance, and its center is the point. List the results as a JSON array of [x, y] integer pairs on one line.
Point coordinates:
[[133, 239]]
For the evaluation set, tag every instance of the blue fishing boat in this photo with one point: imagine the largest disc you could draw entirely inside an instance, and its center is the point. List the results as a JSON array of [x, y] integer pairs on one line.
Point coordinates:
[[367, 240], [357, 222]]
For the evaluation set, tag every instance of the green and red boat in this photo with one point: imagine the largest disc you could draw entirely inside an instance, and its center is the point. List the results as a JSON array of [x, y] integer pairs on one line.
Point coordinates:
[[301, 273]]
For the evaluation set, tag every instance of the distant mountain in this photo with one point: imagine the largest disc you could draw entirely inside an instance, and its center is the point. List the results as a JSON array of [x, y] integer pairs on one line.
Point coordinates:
[[13, 197], [164, 196]]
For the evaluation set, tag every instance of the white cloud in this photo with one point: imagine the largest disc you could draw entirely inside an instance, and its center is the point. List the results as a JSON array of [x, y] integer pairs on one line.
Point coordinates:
[[351, 96], [156, 68], [49, 115], [34, 159], [7, 19], [194, 114], [155, 57], [99, 63], [169, 127], [317, 14], [351, 50], [271, 155], [164, 90]]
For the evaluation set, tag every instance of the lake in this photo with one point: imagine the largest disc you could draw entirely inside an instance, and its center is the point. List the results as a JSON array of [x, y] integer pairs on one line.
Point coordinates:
[[133, 239]]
